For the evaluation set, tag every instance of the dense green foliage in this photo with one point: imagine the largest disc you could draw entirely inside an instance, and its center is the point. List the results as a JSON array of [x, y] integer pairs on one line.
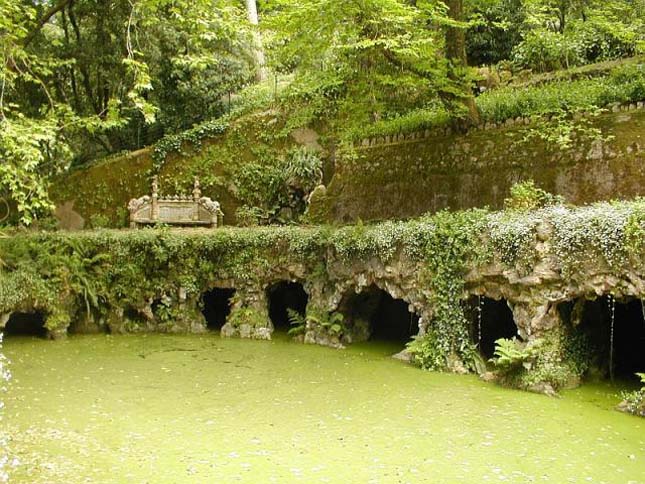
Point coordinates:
[[622, 85], [542, 365], [544, 35], [81, 80], [551, 106], [357, 62], [84, 78]]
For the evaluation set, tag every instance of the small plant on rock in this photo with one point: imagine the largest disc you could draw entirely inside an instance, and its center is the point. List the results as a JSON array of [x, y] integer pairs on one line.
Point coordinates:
[[512, 355], [427, 352], [541, 366], [527, 196], [634, 402], [333, 323]]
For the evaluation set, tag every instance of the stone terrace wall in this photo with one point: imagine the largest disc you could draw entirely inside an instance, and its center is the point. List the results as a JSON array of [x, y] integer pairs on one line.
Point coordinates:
[[408, 175]]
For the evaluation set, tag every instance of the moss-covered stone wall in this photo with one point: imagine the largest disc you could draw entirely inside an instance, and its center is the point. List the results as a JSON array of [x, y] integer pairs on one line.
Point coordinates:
[[429, 172], [98, 195], [391, 177], [102, 190], [155, 279]]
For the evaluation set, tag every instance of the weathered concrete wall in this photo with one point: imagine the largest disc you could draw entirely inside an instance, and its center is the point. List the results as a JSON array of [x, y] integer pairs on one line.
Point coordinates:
[[407, 176]]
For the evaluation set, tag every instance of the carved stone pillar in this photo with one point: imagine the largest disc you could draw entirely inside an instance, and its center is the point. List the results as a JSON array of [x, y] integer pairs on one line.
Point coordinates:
[[154, 208]]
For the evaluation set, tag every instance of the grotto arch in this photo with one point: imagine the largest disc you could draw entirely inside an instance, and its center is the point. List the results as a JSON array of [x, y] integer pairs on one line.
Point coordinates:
[[374, 314], [591, 321], [491, 319], [216, 305], [26, 324], [283, 296]]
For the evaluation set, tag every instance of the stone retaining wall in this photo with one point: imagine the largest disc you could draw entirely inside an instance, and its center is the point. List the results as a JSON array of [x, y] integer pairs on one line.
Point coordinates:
[[408, 175]]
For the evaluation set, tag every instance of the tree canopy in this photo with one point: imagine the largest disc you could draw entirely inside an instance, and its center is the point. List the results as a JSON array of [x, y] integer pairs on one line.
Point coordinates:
[[83, 79]]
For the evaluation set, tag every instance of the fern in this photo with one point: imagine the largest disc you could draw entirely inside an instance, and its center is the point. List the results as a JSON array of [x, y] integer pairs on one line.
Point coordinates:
[[333, 323], [512, 353], [297, 321], [642, 377]]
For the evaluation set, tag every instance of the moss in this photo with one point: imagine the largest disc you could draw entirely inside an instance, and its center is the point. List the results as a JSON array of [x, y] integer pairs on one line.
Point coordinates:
[[105, 188], [477, 169], [157, 275], [399, 180]]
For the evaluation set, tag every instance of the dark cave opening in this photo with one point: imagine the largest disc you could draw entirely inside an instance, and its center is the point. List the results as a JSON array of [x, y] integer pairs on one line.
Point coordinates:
[[282, 297], [374, 314], [491, 320], [592, 319], [26, 324], [216, 306]]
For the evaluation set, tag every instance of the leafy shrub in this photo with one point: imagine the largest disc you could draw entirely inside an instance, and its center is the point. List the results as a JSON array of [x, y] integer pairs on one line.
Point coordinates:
[[263, 188], [410, 122], [303, 169], [632, 80], [277, 192], [511, 355], [544, 50], [527, 195], [99, 221], [544, 365], [246, 216], [427, 351], [602, 37], [332, 323], [297, 321], [634, 402], [250, 316], [624, 84]]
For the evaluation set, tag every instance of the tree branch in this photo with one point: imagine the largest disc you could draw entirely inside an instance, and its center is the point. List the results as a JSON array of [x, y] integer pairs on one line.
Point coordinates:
[[393, 59], [53, 10]]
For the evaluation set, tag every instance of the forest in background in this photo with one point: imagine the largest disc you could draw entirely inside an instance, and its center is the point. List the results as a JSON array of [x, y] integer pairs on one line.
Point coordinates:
[[84, 79]]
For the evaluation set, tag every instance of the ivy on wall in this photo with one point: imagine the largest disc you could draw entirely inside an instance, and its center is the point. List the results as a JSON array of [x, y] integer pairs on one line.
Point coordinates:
[[68, 275]]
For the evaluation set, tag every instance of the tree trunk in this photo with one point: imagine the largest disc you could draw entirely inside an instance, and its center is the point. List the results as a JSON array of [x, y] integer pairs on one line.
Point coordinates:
[[456, 55], [252, 12]]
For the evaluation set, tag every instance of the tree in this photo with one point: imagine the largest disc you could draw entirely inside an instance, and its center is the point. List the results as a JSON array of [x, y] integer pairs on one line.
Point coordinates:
[[82, 78], [565, 33], [30, 148], [357, 62], [495, 28], [458, 66], [252, 12]]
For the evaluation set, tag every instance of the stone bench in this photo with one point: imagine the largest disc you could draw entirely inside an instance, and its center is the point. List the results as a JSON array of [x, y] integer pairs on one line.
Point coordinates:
[[183, 210]]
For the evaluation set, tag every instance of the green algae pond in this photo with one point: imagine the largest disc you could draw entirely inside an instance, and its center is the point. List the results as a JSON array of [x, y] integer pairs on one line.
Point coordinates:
[[159, 408]]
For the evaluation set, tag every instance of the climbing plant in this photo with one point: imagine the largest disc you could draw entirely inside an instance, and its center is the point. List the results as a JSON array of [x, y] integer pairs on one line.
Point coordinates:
[[453, 243], [67, 275]]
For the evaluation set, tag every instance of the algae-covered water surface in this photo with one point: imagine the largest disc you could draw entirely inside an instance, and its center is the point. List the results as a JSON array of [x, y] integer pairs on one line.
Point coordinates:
[[201, 409]]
